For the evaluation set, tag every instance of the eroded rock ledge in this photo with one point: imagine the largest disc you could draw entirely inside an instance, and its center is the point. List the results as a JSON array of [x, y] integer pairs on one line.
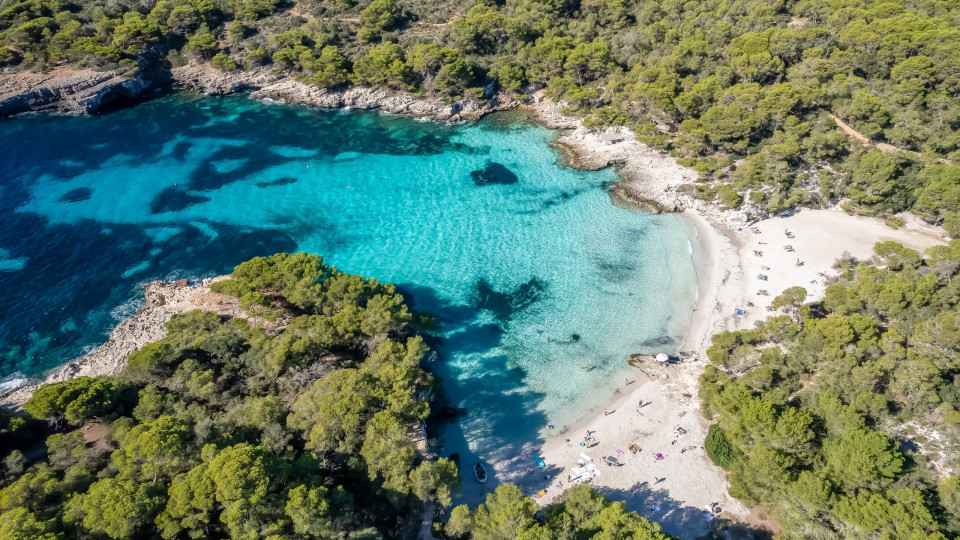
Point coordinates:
[[85, 91], [82, 91]]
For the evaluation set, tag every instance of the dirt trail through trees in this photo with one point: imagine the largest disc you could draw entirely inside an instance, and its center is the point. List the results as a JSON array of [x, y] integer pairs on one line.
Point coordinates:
[[883, 147]]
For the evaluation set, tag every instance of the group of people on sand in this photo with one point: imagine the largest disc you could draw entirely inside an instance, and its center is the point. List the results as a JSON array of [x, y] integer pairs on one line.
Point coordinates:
[[712, 510], [765, 277], [589, 440]]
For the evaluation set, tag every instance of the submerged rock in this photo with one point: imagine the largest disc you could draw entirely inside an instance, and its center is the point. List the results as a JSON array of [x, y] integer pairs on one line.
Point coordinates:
[[77, 195], [494, 173]]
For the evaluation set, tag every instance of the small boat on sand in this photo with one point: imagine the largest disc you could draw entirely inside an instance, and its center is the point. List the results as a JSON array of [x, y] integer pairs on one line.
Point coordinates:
[[481, 473]]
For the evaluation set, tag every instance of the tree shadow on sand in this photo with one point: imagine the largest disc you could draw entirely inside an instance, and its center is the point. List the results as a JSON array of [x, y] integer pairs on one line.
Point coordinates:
[[499, 420], [679, 518]]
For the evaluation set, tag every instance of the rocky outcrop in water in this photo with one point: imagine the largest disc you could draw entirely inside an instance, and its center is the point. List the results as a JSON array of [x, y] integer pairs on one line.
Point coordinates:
[[80, 91], [163, 300]]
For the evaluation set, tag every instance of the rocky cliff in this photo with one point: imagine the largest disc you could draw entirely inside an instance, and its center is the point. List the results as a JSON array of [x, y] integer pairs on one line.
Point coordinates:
[[87, 91], [81, 91], [265, 84]]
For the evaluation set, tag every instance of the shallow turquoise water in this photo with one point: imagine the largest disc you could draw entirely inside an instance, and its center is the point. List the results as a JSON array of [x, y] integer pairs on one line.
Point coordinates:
[[531, 270]]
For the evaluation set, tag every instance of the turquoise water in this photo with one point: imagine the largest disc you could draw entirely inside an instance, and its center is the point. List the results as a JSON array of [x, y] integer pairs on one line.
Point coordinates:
[[531, 270]]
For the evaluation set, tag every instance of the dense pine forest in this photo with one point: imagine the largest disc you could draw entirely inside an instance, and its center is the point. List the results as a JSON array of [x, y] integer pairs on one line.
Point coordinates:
[[293, 419], [745, 92], [842, 417]]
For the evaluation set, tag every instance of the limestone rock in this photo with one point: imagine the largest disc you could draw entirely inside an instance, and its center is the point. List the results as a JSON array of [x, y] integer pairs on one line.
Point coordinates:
[[80, 91]]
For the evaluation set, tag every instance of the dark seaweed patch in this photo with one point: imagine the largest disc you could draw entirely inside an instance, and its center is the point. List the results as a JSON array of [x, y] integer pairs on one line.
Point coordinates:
[[504, 305], [77, 195], [494, 173], [174, 200], [278, 182], [658, 342]]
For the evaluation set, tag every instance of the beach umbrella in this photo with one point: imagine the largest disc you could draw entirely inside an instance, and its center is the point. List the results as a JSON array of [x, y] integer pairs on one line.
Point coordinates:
[[662, 358]]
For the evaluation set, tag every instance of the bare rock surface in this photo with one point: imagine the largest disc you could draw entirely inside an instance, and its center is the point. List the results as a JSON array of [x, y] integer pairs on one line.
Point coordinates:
[[209, 80], [291, 91], [650, 177], [66, 90]]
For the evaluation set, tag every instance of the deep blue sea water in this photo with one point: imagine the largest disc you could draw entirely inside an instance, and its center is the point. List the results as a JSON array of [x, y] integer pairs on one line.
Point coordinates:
[[478, 224]]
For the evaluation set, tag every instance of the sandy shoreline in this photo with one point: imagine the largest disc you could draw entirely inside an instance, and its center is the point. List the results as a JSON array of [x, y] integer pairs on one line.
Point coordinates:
[[672, 491], [675, 490], [685, 481]]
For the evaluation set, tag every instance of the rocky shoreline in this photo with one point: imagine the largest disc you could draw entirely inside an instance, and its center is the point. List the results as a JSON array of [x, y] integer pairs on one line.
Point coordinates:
[[67, 91], [651, 178], [163, 300], [86, 91]]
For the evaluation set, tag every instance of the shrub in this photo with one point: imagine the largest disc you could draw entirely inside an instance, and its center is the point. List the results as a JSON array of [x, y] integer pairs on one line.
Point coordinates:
[[719, 449]]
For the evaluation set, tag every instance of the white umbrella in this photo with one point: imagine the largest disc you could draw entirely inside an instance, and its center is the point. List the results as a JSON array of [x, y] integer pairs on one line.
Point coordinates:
[[662, 358]]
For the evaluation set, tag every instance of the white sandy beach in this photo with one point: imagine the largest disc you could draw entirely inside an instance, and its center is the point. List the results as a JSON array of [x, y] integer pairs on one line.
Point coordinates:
[[688, 480], [675, 490]]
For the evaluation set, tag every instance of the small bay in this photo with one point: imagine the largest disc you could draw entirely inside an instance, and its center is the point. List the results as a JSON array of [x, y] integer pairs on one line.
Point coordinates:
[[533, 274]]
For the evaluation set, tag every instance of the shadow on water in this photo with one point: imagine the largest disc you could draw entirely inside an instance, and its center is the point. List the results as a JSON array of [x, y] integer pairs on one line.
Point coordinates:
[[499, 418]]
